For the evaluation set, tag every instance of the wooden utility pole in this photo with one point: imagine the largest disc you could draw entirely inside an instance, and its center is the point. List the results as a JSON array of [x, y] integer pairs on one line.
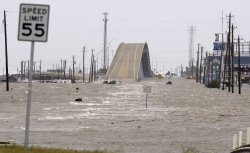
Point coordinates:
[[92, 66], [61, 69], [197, 64], [212, 75], [229, 56], [225, 65], [6, 54], [64, 68], [232, 54], [73, 69], [221, 57], [22, 71], [208, 69], [201, 62], [192, 68], [239, 73], [83, 66], [205, 65], [28, 69], [40, 71], [69, 74]]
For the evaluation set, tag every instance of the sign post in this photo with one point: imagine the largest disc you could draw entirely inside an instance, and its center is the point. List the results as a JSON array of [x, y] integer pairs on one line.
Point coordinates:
[[147, 89], [33, 26]]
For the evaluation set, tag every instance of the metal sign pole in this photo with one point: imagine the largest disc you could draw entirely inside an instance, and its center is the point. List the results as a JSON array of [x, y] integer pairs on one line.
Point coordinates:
[[29, 97], [147, 100]]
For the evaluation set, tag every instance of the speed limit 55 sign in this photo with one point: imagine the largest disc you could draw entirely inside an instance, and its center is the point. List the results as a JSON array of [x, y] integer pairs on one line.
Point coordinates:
[[33, 22]]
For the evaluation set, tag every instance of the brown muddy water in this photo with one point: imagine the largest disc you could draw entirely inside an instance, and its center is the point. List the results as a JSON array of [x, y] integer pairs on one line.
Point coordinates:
[[114, 117]]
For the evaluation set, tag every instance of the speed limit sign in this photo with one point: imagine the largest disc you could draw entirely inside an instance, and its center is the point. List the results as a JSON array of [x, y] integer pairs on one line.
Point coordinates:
[[33, 22]]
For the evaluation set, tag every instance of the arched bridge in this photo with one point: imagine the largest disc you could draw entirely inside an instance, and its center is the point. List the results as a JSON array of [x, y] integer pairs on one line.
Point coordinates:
[[131, 62]]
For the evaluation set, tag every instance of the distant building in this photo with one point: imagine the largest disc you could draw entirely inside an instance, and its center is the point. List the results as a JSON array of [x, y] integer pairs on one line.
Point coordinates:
[[215, 61]]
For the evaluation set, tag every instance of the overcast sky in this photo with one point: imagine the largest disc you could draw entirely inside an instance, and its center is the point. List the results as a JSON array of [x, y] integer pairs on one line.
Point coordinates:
[[163, 24]]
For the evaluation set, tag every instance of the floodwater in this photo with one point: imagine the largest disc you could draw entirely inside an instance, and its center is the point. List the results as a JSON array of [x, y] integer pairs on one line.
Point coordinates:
[[114, 117]]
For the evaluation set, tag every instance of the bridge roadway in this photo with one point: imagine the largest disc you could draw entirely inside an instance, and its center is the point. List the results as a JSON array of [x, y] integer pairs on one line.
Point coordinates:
[[127, 62]]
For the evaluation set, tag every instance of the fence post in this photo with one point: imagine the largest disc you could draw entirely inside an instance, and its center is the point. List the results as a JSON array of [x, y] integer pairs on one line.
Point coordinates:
[[248, 135], [240, 138], [234, 141]]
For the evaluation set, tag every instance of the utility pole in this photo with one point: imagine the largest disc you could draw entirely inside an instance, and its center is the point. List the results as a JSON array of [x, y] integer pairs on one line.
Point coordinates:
[[21, 70], [64, 69], [40, 70], [83, 64], [28, 69], [197, 64], [205, 66], [201, 62], [192, 69], [225, 65], [229, 56], [221, 58], [212, 75], [92, 66], [209, 70], [58, 72], [61, 69], [24, 69], [239, 72], [73, 80], [69, 74], [232, 54], [53, 66], [6, 54]]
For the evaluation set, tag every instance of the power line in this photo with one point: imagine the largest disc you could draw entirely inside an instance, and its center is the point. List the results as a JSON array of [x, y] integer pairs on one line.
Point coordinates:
[[121, 30], [132, 20]]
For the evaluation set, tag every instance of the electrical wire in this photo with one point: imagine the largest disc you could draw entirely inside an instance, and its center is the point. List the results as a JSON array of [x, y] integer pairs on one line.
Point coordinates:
[[237, 29], [131, 20], [150, 30]]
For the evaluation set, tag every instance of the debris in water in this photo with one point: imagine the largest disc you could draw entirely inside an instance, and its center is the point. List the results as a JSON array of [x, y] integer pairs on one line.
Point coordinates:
[[78, 99]]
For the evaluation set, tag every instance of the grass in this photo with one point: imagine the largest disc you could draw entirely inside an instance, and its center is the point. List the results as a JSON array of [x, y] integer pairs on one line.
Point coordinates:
[[35, 149]]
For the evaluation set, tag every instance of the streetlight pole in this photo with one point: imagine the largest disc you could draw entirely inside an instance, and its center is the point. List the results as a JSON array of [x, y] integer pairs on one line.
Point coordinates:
[[108, 52], [83, 66], [97, 59]]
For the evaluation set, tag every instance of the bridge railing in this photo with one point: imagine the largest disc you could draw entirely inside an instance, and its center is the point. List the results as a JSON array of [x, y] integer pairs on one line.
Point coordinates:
[[239, 147]]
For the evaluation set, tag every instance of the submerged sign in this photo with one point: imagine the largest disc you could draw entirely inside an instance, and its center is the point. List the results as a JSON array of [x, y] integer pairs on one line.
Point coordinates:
[[33, 22], [147, 89]]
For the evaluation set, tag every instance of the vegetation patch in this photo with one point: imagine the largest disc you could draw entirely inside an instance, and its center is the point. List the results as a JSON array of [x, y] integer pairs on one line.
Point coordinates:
[[212, 84], [105, 82], [112, 82], [35, 149]]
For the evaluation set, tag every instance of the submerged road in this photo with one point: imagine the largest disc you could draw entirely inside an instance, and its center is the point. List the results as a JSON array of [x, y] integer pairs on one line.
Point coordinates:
[[114, 117]]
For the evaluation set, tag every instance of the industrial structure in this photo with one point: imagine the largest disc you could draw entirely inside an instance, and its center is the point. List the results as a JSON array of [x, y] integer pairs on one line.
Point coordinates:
[[131, 62], [191, 46], [105, 49]]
